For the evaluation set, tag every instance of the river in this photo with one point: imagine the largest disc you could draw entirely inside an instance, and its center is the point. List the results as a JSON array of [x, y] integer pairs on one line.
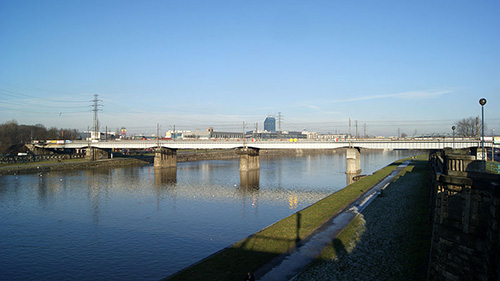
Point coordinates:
[[136, 223]]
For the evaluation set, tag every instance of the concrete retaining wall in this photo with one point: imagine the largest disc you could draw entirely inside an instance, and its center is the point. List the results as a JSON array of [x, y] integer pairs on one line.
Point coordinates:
[[465, 202]]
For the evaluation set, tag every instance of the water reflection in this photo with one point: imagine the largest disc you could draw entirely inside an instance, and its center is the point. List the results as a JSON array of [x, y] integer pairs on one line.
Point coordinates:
[[351, 177], [98, 182], [249, 179], [293, 202], [165, 176], [43, 191], [140, 219]]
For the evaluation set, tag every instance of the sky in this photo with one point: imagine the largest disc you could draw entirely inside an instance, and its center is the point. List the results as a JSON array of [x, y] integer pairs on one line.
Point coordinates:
[[414, 67]]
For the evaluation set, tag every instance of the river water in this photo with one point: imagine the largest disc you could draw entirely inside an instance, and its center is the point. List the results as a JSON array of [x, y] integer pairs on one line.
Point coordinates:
[[136, 223]]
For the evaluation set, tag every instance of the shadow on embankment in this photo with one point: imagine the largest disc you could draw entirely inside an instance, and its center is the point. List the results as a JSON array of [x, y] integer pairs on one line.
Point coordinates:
[[248, 255], [393, 233]]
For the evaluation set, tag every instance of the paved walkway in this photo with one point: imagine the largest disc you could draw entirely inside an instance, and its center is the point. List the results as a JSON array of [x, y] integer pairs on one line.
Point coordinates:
[[286, 267]]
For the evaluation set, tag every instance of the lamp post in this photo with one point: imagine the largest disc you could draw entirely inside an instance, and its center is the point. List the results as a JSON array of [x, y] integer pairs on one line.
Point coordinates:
[[482, 102], [453, 129], [492, 145]]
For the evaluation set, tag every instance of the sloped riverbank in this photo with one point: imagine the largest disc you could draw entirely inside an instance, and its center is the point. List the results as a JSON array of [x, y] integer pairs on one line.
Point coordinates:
[[255, 251], [390, 240]]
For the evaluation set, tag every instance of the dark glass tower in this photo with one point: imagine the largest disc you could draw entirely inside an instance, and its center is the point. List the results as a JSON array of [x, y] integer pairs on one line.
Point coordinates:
[[270, 124]]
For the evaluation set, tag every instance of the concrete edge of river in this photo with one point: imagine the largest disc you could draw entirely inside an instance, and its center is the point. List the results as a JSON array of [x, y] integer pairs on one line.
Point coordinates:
[[69, 165]]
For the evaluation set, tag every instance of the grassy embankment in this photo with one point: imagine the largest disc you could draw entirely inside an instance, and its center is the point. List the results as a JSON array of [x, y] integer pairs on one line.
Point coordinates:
[[255, 251], [393, 234]]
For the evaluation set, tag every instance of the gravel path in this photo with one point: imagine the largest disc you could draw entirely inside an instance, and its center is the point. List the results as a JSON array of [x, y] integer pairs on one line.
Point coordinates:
[[394, 237]]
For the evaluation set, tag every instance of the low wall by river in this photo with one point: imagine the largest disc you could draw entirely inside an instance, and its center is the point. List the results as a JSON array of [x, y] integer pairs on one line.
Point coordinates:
[[465, 202], [38, 158], [59, 166]]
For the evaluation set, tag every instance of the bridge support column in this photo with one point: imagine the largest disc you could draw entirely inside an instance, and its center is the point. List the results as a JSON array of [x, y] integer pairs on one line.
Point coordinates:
[[93, 153], [249, 159], [353, 164], [165, 158]]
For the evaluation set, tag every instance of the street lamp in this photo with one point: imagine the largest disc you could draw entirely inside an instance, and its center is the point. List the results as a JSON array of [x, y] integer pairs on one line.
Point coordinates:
[[482, 102], [493, 145], [453, 129]]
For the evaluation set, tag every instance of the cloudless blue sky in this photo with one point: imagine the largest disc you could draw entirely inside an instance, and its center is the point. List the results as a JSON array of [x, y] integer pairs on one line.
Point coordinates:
[[416, 66]]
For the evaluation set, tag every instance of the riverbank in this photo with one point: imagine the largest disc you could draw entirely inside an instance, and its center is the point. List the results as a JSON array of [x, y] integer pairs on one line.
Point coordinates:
[[255, 251], [72, 164], [389, 240]]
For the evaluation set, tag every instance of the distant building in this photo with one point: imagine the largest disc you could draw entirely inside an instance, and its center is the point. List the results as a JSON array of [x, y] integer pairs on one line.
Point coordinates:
[[225, 135], [270, 124], [274, 135]]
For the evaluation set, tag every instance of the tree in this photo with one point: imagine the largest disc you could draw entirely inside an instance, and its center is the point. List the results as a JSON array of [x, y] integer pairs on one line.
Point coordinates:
[[469, 127], [13, 136]]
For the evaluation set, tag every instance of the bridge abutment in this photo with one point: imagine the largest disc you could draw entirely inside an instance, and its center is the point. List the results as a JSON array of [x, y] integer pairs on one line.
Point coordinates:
[[249, 158], [93, 153], [165, 158], [353, 164], [38, 150]]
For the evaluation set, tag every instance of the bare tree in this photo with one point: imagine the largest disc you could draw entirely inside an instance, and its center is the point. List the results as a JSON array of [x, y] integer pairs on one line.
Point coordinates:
[[469, 127], [13, 136]]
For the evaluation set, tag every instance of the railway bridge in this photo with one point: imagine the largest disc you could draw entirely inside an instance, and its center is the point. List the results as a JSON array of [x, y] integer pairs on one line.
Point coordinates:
[[248, 149]]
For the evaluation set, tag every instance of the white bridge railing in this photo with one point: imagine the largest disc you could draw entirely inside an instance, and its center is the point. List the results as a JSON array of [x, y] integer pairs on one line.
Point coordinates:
[[270, 144]]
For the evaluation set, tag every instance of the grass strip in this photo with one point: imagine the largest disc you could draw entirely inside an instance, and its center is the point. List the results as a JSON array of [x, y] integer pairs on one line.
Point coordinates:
[[405, 256], [254, 251]]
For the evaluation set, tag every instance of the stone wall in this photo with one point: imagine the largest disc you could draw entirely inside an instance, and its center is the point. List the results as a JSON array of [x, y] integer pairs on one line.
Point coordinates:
[[38, 158], [465, 203]]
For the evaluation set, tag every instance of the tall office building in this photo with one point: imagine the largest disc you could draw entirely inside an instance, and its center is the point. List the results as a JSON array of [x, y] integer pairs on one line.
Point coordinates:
[[270, 124]]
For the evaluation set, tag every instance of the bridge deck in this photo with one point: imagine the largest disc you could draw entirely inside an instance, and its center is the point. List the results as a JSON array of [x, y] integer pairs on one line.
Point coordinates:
[[274, 144]]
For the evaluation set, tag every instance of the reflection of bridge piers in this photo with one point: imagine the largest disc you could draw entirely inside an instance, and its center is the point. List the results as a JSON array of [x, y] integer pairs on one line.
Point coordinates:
[[165, 176], [250, 179]]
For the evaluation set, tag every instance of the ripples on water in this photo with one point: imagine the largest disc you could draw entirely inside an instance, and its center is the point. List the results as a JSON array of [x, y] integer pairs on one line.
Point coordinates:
[[137, 223]]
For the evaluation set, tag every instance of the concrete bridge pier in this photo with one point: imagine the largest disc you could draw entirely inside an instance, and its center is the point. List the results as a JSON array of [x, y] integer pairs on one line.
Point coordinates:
[[93, 153], [353, 164], [249, 158], [165, 158]]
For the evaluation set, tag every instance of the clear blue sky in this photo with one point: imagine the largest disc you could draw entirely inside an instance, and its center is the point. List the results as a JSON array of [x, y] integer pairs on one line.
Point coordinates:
[[419, 66]]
